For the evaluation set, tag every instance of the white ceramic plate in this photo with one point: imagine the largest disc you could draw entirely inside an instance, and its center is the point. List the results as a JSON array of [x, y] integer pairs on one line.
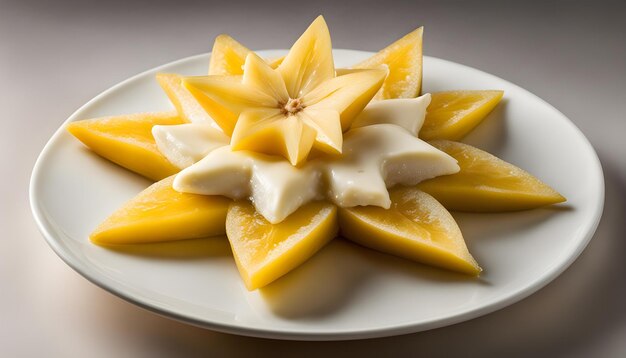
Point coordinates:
[[345, 291]]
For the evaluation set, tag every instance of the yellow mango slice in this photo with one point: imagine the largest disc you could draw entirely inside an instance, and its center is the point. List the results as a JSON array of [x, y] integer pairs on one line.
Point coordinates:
[[127, 141], [264, 252], [404, 59], [486, 183], [416, 227], [186, 104], [159, 213], [453, 114], [228, 57]]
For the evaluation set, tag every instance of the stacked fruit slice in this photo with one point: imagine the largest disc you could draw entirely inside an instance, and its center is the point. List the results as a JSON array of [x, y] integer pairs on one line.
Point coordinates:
[[417, 226], [160, 213], [265, 251], [127, 141]]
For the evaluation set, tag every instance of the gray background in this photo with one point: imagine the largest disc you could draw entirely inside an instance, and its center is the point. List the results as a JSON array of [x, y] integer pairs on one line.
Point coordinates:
[[54, 56]]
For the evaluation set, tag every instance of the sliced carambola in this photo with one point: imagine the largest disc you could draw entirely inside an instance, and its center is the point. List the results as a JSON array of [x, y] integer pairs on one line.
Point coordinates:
[[264, 252], [295, 108], [404, 60], [228, 57], [416, 227], [453, 114], [186, 104], [159, 213], [127, 141], [486, 183], [222, 116]]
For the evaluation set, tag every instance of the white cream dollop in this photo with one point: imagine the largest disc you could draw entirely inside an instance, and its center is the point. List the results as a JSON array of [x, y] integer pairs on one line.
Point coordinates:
[[378, 157], [275, 187], [380, 151], [185, 144], [408, 113]]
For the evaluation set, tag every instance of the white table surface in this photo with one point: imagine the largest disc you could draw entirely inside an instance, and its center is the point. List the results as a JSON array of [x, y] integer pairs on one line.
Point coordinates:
[[54, 56]]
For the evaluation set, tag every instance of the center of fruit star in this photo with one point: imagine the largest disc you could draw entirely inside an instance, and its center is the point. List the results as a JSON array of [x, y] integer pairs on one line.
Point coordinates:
[[293, 106]]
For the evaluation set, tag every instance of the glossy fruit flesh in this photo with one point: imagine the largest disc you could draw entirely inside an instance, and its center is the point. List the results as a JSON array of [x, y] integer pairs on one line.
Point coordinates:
[[404, 60], [299, 106], [127, 141], [416, 227], [453, 114], [187, 106], [264, 252], [228, 57], [159, 213], [486, 183]]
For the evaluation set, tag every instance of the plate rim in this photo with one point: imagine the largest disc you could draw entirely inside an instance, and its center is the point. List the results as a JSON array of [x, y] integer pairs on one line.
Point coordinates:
[[47, 231]]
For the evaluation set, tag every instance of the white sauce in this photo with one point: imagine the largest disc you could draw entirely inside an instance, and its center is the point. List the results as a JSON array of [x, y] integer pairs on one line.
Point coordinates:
[[375, 158], [378, 157], [185, 144], [381, 151], [408, 113], [275, 187]]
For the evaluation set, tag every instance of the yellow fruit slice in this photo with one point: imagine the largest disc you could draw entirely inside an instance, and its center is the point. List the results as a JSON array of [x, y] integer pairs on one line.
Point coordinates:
[[228, 57], [160, 213], [349, 93], [309, 62], [486, 183], [275, 62], [416, 227], [264, 252], [453, 114], [404, 59], [271, 132], [127, 141], [221, 115], [186, 104], [299, 106]]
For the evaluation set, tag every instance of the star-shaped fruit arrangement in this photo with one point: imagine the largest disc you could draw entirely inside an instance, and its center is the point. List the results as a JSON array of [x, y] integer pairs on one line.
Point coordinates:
[[283, 155]]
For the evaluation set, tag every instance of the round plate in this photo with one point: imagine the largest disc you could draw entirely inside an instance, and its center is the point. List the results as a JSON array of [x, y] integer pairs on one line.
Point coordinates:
[[345, 291]]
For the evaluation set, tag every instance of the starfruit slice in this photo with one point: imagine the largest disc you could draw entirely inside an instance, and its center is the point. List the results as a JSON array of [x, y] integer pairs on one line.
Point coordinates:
[[159, 213], [404, 60], [264, 252], [453, 114], [416, 227], [186, 104], [299, 106], [127, 141], [486, 183], [228, 57]]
